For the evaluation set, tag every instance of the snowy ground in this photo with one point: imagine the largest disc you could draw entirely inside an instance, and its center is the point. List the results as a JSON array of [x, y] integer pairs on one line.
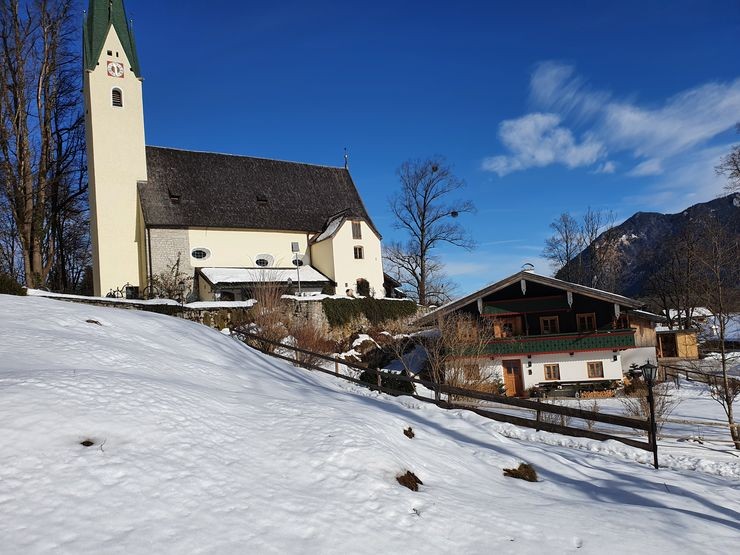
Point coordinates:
[[204, 445]]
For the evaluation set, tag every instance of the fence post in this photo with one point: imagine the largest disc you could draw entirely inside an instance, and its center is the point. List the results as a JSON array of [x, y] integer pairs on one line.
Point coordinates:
[[539, 402], [336, 367], [380, 383]]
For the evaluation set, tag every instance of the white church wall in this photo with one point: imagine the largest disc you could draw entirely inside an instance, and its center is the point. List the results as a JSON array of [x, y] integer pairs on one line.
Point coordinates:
[[117, 161], [239, 248], [347, 269]]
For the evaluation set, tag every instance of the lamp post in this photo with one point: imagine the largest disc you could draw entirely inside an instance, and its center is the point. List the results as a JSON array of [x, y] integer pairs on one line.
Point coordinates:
[[649, 372]]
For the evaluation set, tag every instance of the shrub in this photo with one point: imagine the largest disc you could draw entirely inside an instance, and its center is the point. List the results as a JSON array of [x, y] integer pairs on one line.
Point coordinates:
[[389, 381], [637, 405], [340, 312], [8, 286]]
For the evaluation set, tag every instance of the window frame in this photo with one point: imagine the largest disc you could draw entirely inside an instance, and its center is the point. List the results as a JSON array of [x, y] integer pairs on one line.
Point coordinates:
[[543, 319], [205, 251], [593, 364], [113, 92], [580, 315], [358, 249], [356, 230], [552, 370]]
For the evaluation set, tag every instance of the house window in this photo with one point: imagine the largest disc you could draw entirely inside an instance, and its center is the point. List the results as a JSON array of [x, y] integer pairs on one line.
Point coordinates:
[[549, 324], [359, 253], [622, 323], [586, 322], [262, 262], [356, 230], [595, 369], [297, 262], [552, 371], [200, 254]]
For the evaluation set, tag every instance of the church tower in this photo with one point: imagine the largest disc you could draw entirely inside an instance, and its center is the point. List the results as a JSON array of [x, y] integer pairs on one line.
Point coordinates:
[[116, 155]]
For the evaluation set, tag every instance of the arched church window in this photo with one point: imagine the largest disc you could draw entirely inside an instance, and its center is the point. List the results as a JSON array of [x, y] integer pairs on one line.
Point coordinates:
[[117, 98]]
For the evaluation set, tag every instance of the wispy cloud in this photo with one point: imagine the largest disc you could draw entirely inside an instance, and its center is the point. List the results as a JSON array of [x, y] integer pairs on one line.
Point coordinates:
[[538, 140], [654, 166], [651, 136]]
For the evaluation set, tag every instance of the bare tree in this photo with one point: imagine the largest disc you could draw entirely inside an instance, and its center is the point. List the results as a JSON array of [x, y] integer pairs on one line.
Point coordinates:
[[719, 260], [456, 354], [583, 252], [40, 127], [424, 210], [406, 264], [563, 247], [729, 166], [675, 283]]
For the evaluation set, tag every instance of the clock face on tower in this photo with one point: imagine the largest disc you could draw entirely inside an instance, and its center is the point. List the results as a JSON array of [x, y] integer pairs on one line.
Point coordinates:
[[115, 69]]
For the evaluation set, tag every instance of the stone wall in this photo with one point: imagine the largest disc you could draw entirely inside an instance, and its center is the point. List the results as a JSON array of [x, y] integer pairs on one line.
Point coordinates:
[[165, 246]]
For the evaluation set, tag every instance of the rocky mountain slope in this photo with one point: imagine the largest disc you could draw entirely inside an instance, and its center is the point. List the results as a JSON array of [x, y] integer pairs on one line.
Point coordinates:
[[638, 240]]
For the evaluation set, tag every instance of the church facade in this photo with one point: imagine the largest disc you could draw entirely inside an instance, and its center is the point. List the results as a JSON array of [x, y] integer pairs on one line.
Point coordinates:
[[227, 221]]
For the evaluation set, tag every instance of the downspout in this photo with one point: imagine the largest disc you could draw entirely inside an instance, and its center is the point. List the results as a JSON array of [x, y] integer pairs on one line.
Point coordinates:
[[149, 256]]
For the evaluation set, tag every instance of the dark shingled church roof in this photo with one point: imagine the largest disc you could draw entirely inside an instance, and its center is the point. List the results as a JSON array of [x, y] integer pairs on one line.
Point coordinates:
[[202, 189]]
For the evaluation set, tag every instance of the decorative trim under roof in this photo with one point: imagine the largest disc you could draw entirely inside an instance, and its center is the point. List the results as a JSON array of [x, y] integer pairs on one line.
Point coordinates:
[[535, 278]]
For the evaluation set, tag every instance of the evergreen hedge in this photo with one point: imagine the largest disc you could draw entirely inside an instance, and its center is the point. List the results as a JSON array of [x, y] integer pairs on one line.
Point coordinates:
[[342, 311], [8, 286]]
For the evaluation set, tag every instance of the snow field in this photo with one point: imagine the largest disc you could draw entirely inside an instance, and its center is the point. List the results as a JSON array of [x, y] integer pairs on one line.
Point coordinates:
[[203, 445]]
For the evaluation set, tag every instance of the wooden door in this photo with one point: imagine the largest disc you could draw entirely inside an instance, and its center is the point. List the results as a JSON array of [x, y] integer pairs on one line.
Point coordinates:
[[513, 380]]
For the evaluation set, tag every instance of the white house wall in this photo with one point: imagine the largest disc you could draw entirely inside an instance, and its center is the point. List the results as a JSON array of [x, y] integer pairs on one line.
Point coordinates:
[[572, 368], [639, 356]]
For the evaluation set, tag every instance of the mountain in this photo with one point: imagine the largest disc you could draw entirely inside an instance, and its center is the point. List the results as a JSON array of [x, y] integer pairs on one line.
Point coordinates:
[[637, 242]]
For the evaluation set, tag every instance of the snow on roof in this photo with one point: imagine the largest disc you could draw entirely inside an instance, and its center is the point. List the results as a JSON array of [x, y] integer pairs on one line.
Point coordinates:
[[698, 312], [331, 229], [262, 275]]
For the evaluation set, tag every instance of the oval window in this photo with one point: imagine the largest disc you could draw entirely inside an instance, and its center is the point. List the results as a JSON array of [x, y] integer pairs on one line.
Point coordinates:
[[200, 254], [297, 262], [263, 260]]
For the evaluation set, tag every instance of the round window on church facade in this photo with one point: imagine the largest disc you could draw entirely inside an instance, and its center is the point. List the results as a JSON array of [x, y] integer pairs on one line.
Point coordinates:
[[262, 262], [200, 254]]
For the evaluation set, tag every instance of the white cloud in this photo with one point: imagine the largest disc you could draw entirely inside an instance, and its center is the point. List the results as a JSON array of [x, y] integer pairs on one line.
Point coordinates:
[[654, 166], [651, 134], [538, 140], [606, 167]]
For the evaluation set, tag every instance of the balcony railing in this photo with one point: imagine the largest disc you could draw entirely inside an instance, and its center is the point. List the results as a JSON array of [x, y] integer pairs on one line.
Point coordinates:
[[602, 340]]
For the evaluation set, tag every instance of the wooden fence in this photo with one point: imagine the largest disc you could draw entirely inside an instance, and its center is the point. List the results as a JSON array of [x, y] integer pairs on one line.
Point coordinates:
[[311, 360]]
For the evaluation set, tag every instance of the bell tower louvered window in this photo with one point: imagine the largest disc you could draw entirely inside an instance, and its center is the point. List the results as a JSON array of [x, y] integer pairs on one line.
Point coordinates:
[[117, 98]]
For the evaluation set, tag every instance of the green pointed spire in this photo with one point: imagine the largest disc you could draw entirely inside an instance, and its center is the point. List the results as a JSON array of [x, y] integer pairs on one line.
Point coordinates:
[[101, 14]]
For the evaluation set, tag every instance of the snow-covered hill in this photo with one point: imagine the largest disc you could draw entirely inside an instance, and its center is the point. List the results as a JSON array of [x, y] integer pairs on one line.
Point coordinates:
[[203, 445]]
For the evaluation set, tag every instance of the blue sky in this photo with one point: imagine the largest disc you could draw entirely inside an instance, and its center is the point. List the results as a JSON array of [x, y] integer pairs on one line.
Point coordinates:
[[541, 107]]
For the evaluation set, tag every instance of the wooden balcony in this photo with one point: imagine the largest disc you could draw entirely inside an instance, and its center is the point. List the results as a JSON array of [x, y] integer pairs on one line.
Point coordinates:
[[602, 340]]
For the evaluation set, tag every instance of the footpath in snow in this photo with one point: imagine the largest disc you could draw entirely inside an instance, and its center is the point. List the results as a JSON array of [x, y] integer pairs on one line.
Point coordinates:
[[201, 444]]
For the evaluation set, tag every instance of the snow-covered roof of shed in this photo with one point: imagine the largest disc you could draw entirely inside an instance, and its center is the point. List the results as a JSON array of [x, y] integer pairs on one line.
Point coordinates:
[[224, 276]]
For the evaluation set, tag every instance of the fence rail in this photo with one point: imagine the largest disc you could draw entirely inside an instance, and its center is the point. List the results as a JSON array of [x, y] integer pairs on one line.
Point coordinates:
[[309, 360]]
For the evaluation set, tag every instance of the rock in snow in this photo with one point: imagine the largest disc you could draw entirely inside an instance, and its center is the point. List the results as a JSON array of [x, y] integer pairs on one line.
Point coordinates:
[[200, 444]]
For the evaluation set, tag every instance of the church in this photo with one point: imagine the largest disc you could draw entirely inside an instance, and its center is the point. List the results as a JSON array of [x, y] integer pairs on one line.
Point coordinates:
[[229, 222]]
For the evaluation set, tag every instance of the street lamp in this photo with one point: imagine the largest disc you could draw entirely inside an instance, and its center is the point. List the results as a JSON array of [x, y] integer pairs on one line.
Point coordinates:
[[650, 372]]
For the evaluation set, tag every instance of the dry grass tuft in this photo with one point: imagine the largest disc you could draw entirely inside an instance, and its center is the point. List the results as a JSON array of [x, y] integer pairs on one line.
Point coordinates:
[[524, 472], [410, 480]]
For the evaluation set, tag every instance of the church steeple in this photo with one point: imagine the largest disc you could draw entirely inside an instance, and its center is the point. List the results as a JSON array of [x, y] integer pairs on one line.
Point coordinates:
[[101, 15]]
